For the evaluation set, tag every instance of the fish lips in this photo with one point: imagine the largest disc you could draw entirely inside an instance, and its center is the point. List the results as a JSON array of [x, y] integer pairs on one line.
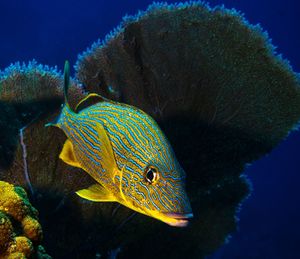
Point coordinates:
[[181, 219]]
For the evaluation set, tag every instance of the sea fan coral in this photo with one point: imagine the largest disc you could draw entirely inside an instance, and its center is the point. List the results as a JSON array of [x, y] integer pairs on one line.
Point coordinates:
[[27, 92], [30, 97], [216, 88], [197, 61]]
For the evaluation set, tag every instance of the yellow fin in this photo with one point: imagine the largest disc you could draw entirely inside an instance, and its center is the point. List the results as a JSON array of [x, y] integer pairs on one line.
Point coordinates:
[[96, 192], [107, 154], [88, 101], [67, 154]]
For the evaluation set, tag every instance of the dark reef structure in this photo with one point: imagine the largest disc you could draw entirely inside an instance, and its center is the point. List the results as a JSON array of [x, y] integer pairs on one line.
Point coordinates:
[[216, 87], [27, 92]]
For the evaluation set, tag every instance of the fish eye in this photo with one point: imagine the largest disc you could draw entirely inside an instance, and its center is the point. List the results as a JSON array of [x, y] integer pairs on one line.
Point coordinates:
[[151, 174]]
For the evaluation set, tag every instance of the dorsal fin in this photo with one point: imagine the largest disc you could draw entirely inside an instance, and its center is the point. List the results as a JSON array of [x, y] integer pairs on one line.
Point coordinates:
[[89, 100], [66, 81], [65, 91]]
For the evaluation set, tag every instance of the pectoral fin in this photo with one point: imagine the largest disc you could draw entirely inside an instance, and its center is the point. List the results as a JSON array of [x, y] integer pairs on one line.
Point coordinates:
[[107, 153], [96, 192], [67, 154]]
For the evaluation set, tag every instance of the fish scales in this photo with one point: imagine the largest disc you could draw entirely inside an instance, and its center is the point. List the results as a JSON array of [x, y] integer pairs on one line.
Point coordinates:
[[152, 134]]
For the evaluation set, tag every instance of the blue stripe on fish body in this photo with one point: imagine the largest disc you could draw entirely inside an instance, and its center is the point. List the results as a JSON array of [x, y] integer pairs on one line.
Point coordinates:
[[117, 139], [109, 115], [156, 135]]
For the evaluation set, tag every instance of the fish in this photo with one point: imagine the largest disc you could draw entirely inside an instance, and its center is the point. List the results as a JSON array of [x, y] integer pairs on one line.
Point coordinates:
[[123, 149]]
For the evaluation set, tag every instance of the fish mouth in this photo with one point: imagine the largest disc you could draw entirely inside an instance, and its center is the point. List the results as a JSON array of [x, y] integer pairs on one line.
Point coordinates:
[[178, 219]]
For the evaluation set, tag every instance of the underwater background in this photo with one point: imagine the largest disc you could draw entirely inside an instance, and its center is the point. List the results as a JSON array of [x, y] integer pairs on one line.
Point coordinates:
[[53, 31]]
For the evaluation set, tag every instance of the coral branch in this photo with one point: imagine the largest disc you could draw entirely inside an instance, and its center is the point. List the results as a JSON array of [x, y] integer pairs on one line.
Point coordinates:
[[24, 149], [24, 156]]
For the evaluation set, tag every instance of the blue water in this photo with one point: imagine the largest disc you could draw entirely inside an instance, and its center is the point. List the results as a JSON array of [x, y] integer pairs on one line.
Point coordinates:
[[52, 31]]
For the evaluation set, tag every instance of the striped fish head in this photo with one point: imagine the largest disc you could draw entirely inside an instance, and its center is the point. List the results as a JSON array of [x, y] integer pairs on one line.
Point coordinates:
[[158, 188]]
